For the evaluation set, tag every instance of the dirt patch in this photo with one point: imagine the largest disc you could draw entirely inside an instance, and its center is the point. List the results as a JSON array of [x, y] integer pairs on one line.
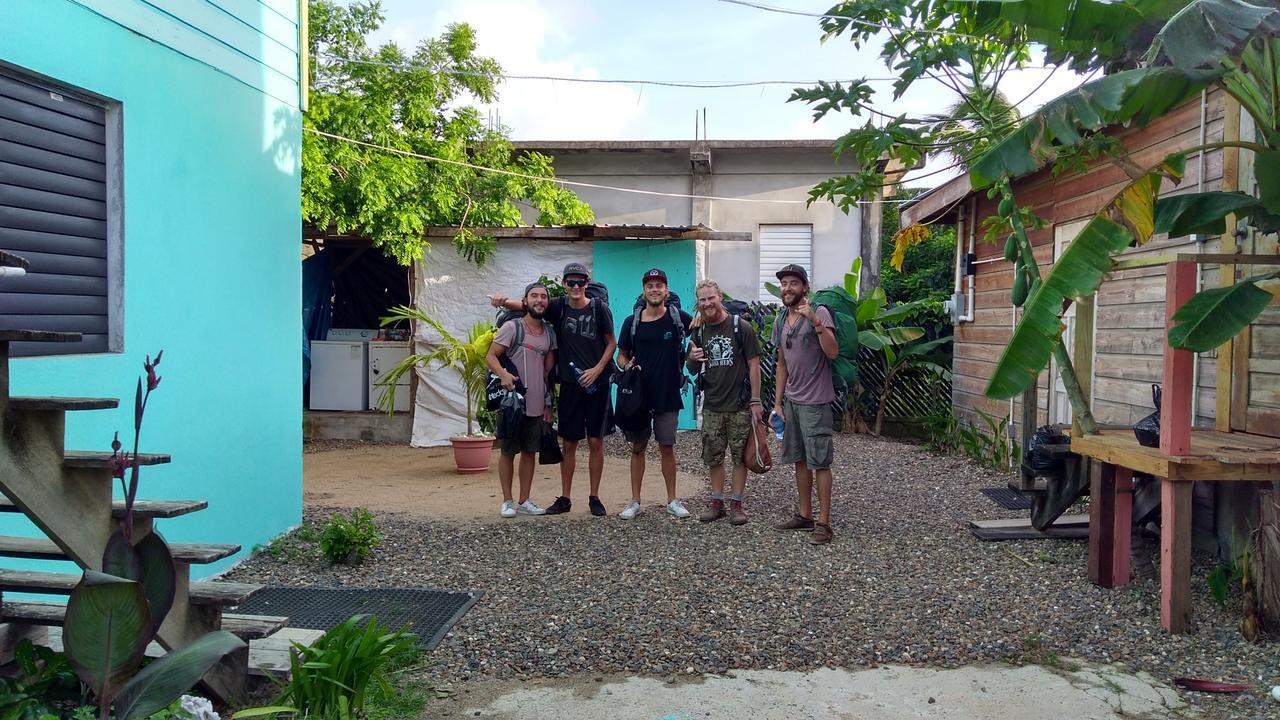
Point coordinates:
[[424, 482]]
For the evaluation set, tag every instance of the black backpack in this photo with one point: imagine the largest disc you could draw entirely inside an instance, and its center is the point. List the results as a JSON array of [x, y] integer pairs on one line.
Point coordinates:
[[629, 411], [494, 391]]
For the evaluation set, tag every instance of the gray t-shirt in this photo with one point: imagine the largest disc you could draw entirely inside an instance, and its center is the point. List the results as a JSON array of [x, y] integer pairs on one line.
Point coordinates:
[[808, 369], [529, 359]]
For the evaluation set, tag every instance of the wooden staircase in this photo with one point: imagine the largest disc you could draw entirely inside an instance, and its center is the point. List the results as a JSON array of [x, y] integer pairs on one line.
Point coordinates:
[[68, 495]]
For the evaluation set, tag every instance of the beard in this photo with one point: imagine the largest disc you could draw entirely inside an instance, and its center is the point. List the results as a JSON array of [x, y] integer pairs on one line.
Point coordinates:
[[654, 303], [795, 299], [535, 314]]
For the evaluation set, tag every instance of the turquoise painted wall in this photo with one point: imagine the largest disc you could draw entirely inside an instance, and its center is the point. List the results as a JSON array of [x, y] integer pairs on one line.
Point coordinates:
[[620, 265], [212, 136]]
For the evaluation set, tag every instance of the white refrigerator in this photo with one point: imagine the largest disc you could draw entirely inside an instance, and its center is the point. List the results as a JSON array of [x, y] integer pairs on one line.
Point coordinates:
[[338, 375], [383, 356]]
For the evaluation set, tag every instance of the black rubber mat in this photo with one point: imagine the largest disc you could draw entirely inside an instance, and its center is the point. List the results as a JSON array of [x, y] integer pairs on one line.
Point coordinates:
[[1007, 498], [429, 613]]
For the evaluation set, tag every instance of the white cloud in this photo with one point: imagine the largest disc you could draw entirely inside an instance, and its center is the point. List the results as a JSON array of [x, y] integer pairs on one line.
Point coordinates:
[[521, 35]]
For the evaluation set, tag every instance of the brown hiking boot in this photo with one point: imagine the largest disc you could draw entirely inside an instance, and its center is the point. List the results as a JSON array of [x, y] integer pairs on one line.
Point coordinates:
[[714, 512], [737, 516], [797, 522], [821, 534]]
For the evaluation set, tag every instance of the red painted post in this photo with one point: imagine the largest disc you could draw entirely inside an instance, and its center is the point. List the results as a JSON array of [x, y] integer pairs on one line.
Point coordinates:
[[1122, 550], [1175, 555], [1110, 524], [1175, 407]]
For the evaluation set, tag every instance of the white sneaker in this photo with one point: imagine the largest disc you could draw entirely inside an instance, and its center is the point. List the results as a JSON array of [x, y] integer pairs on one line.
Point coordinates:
[[630, 511], [677, 508], [529, 507], [508, 508]]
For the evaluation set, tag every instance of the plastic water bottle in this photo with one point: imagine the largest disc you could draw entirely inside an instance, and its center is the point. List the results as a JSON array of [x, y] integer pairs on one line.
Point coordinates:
[[577, 375], [778, 424]]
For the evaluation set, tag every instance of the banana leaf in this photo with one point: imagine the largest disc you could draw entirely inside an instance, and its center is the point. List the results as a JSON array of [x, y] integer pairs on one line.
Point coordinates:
[[1204, 212], [1212, 317], [1077, 273], [1205, 32]]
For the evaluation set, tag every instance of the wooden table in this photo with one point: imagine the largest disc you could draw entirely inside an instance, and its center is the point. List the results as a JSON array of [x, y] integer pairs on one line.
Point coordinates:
[[1214, 456]]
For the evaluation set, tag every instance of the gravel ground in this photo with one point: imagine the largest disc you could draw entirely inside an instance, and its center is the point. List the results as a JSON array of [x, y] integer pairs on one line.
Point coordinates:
[[904, 582]]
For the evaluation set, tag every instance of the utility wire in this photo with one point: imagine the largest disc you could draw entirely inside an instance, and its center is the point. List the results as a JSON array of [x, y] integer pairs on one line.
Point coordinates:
[[855, 21], [570, 183]]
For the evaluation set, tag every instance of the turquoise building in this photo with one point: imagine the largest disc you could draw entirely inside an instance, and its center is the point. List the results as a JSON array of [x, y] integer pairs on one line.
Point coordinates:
[[149, 170]]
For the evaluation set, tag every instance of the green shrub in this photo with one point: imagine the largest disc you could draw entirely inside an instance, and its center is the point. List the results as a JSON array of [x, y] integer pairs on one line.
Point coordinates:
[[44, 684], [349, 539], [333, 678]]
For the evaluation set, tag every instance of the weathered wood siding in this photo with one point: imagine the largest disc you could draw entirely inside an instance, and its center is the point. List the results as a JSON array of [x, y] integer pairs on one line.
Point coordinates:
[[1130, 304]]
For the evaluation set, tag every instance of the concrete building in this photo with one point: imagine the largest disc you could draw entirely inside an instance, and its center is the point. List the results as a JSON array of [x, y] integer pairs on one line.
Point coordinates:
[[763, 186]]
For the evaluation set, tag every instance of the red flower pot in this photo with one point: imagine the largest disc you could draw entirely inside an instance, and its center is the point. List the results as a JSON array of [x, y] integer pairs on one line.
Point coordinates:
[[471, 454]]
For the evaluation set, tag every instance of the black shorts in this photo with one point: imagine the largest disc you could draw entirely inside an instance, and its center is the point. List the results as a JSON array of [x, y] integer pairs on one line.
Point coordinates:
[[582, 414]]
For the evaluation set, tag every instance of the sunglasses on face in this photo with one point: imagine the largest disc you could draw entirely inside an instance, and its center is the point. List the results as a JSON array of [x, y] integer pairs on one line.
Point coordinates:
[[575, 283]]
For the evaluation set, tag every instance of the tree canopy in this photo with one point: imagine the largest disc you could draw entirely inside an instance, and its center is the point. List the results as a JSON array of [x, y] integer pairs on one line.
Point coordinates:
[[414, 102]]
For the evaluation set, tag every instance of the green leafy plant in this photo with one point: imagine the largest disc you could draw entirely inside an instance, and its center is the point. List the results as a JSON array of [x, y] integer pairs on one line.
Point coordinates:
[[466, 356], [986, 444], [333, 678], [45, 685], [350, 539], [113, 615], [417, 102]]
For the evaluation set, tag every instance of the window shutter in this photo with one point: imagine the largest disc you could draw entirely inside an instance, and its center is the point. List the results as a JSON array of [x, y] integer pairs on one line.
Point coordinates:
[[53, 212], [782, 245]]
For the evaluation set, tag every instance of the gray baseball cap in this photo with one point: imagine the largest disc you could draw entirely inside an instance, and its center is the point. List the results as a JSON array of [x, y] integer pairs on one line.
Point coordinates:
[[795, 270], [576, 268]]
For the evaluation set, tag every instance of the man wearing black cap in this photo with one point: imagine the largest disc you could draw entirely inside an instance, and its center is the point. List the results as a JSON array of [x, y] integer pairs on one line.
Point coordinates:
[[584, 331], [806, 342], [656, 345]]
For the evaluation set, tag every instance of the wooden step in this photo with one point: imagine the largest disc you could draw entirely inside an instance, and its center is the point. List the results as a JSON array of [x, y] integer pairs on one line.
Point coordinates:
[[252, 627], [141, 508], [38, 335], [51, 614], [202, 593], [62, 403], [40, 548], [102, 460]]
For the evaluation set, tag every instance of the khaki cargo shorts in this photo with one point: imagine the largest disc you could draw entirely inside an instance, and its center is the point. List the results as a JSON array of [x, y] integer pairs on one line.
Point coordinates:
[[807, 435]]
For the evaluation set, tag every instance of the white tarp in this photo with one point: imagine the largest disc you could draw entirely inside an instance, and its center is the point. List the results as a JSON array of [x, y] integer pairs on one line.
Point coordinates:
[[452, 290]]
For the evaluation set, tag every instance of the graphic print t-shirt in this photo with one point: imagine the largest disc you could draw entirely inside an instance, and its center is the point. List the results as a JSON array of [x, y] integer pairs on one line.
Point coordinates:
[[529, 358], [580, 340], [655, 348], [725, 367]]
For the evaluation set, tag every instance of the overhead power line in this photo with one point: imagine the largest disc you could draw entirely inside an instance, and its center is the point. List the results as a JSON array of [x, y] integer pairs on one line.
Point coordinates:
[[569, 183], [855, 21]]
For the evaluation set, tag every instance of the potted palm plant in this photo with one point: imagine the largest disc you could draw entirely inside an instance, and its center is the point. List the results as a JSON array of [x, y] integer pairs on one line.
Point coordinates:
[[471, 452]]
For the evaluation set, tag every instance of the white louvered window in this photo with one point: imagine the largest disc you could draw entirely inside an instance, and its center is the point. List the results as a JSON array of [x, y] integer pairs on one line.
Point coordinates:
[[60, 209], [783, 245]]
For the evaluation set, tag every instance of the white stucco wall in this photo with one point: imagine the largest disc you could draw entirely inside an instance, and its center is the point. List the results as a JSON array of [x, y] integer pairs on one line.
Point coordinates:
[[756, 173]]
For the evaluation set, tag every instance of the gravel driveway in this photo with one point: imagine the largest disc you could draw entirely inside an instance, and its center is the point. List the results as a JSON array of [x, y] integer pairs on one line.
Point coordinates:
[[904, 582]]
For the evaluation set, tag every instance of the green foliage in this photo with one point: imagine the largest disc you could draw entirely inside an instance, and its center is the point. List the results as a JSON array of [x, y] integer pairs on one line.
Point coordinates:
[[349, 539], [333, 678], [987, 444], [414, 103], [928, 270], [468, 357], [45, 684]]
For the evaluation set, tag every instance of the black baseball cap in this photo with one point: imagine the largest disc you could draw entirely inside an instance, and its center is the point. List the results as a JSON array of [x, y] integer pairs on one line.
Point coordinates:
[[576, 268], [795, 270], [654, 274]]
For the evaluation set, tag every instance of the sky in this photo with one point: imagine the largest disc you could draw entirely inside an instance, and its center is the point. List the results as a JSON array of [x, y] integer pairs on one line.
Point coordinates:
[[679, 40]]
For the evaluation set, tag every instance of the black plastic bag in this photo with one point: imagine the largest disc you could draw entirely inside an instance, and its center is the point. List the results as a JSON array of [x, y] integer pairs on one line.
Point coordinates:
[[549, 452], [510, 415], [1147, 429], [1040, 460]]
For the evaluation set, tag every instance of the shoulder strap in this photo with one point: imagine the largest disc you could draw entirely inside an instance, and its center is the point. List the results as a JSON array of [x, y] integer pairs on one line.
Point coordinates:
[[519, 331], [635, 325], [737, 338]]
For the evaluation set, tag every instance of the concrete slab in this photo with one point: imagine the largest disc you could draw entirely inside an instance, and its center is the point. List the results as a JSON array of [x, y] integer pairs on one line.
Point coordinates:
[[887, 692]]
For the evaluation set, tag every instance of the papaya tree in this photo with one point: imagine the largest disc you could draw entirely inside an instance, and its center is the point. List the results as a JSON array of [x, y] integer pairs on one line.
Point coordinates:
[[1231, 45]]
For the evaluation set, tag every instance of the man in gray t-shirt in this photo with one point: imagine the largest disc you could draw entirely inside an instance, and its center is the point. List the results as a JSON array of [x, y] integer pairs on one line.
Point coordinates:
[[806, 340]]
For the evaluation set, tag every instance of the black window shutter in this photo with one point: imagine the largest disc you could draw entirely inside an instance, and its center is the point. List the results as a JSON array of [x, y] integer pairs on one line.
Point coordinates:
[[53, 212]]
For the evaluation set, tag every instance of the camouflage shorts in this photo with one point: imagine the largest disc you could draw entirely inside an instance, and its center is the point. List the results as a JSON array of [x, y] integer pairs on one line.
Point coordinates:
[[721, 432]]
